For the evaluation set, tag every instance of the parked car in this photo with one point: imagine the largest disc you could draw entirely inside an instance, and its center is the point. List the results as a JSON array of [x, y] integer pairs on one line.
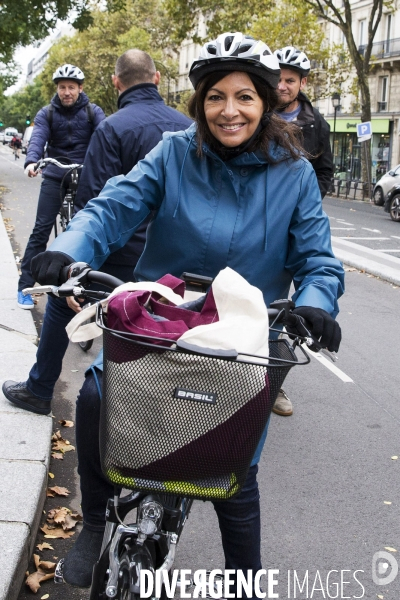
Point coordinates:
[[9, 133], [26, 139], [386, 182], [392, 203]]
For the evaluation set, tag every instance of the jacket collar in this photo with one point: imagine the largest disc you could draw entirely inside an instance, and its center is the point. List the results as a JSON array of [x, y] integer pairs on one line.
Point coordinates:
[[142, 92]]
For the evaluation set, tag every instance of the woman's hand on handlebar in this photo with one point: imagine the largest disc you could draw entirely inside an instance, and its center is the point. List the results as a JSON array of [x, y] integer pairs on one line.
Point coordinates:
[[48, 268], [324, 330]]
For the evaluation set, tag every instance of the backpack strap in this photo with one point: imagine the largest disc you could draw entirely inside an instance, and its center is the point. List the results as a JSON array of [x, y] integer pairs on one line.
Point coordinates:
[[90, 114]]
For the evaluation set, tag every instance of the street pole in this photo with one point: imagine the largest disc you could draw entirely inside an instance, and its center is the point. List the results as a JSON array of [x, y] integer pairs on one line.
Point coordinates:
[[336, 105]]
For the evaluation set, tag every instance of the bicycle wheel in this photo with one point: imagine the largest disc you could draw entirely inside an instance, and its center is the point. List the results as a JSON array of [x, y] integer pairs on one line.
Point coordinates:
[[88, 343]]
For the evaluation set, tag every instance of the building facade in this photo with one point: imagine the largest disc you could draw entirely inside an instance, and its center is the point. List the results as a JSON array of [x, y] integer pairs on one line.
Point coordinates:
[[384, 88]]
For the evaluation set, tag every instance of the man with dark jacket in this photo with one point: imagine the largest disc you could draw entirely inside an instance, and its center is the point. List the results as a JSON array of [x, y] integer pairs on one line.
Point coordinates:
[[116, 146], [296, 107], [63, 129]]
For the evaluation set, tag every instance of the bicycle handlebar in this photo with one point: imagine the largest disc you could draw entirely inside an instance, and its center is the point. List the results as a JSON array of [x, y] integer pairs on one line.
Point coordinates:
[[78, 274], [43, 162]]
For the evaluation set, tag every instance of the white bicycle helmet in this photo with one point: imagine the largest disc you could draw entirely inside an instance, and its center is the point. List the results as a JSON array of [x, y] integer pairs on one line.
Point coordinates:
[[291, 58], [68, 72], [236, 52]]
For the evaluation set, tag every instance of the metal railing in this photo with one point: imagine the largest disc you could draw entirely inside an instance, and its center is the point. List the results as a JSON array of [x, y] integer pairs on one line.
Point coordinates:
[[383, 49], [351, 188]]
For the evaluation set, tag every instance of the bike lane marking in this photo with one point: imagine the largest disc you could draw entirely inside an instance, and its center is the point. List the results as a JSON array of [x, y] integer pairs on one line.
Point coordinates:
[[329, 365]]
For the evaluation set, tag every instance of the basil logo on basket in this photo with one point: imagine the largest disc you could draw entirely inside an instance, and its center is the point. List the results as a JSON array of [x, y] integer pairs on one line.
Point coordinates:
[[207, 397]]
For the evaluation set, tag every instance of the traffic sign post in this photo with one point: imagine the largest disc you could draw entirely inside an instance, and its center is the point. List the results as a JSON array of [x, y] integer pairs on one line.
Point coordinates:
[[364, 134]]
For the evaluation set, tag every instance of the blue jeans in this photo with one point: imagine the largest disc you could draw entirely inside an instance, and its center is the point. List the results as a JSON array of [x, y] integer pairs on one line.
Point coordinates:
[[54, 340], [48, 206], [239, 518]]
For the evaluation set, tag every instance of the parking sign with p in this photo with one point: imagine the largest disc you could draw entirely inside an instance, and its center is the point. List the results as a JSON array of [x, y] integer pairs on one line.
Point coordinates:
[[364, 131]]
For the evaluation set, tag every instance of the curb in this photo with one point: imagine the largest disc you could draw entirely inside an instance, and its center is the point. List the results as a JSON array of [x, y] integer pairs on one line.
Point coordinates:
[[24, 437], [376, 263]]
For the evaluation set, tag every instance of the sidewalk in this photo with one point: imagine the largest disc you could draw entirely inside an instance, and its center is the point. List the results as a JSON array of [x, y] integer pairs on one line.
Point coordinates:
[[25, 437]]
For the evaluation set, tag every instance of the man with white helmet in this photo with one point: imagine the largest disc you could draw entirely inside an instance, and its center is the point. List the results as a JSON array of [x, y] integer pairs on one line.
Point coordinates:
[[64, 129], [295, 106]]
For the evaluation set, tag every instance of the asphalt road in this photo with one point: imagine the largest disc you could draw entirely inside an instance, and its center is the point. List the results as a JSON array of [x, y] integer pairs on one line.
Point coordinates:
[[329, 485]]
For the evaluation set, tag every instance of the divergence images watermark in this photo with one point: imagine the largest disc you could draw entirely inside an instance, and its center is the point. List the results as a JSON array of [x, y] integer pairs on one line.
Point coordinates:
[[271, 583]]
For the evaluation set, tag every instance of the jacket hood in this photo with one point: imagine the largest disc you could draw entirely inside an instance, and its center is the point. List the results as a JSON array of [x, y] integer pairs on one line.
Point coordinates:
[[82, 101], [142, 92]]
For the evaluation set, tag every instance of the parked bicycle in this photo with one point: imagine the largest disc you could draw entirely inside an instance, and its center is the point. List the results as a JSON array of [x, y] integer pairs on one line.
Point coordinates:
[[163, 503]]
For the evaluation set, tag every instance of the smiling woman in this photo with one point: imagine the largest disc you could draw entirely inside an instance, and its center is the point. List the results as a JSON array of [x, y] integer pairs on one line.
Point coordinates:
[[234, 190]]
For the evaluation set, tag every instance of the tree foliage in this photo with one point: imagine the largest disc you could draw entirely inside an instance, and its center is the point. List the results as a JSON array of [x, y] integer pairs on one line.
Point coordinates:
[[278, 23], [138, 24], [13, 109], [24, 21]]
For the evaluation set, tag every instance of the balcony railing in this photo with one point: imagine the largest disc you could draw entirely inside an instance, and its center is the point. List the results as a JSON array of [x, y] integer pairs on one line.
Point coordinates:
[[384, 49]]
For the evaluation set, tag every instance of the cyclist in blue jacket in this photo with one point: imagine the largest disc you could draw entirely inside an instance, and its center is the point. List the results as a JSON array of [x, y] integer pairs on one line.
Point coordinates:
[[232, 190]]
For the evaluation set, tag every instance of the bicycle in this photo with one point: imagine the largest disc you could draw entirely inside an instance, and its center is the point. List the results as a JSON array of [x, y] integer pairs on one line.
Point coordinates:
[[66, 211], [66, 206], [163, 504]]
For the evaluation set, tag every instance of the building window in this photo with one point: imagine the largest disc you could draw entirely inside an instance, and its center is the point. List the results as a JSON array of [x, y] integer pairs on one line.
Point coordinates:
[[384, 94], [363, 32]]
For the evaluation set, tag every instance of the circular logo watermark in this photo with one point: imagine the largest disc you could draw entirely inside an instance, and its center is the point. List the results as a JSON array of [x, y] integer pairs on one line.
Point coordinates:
[[384, 568]]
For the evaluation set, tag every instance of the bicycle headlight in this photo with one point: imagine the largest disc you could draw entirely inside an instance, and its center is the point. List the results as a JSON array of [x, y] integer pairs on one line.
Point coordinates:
[[150, 514]]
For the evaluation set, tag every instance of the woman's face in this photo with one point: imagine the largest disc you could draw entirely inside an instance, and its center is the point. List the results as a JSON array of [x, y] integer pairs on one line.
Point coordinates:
[[233, 109]]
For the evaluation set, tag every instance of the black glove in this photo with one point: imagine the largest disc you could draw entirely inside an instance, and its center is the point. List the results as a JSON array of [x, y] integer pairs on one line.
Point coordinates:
[[47, 267], [324, 330]]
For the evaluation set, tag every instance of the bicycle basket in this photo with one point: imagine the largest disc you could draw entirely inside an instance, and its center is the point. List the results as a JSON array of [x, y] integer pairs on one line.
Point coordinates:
[[180, 423]]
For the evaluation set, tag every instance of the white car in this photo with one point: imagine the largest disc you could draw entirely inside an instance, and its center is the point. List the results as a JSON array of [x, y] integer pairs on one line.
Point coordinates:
[[9, 133], [385, 184]]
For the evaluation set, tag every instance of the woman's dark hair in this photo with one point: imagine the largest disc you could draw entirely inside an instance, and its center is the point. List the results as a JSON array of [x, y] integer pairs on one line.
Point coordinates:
[[287, 135]]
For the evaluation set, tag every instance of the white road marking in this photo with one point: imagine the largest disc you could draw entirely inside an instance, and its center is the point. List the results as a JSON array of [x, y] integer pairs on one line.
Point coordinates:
[[361, 238], [343, 222], [397, 237], [344, 228], [329, 365], [373, 230], [380, 250]]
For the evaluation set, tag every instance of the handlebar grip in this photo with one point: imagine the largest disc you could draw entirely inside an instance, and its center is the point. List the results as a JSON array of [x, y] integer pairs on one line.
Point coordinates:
[[36, 167], [105, 279]]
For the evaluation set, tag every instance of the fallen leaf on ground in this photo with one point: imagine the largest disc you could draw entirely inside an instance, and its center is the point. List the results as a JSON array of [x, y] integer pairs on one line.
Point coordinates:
[[63, 516], [386, 502], [44, 546], [45, 597], [55, 532], [395, 457], [59, 491], [51, 475], [389, 549], [44, 570], [57, 455], [62, 446], [74, 371], [65, 423]]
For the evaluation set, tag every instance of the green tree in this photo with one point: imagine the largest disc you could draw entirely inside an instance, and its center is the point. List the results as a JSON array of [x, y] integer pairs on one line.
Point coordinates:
[[25, 21], [96, 49], [13, 109]]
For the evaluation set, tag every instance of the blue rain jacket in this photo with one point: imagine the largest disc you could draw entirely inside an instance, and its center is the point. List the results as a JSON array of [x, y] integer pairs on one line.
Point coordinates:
[[263, 220]]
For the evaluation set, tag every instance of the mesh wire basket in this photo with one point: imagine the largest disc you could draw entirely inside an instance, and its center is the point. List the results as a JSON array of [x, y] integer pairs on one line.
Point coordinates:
[[181, 423]]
